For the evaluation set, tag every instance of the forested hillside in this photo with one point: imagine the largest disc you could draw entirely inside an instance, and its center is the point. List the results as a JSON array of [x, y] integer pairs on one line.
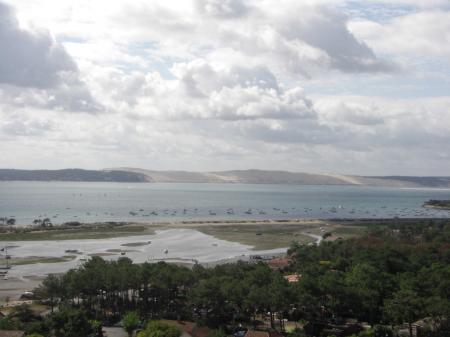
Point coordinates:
[[70, 175]]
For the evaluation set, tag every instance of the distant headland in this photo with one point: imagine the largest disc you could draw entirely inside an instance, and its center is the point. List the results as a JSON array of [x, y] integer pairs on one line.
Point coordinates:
[[438, 204], [136, 175]]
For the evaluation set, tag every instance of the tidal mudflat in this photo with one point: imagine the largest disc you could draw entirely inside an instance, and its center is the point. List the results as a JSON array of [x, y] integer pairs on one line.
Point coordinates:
[[176, 245], [184, 245]]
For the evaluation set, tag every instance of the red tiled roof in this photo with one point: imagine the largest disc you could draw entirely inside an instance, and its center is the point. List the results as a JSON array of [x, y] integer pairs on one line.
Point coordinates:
[[201, 332], [275, 334], [254, 333], [11, 333], [279, 263], [191, 328]]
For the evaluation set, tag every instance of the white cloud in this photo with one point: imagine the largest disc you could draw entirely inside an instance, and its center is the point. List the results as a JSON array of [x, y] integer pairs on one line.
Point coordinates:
[[201, 90], [207, 84], [424, 34], [350, 135], [37, 71], [293, 36], [29, 59]]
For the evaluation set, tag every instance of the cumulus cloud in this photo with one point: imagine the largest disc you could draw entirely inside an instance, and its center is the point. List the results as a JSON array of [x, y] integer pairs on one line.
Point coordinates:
[[29, 59], [293, 36], [405, 136], [35, 70], [207, 85], [201, 90], [222, 8], [423, 34], [326, 30]]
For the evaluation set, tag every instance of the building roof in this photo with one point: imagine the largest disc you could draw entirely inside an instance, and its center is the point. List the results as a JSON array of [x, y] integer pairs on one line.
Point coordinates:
[[11, 333], [201, 331], [190, 328], [279, 263], [292, 278], [254, 333], [275, 334]]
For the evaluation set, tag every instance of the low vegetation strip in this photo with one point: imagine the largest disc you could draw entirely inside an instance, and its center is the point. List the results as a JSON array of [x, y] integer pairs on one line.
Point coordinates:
[[74, 232], [262, 237]]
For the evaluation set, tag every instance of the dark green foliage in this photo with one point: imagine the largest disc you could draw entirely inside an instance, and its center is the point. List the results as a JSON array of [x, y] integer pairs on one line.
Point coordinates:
[[23, 313], [130, 322], [70, 322], [395, 274], [159, 329], [6, 323]]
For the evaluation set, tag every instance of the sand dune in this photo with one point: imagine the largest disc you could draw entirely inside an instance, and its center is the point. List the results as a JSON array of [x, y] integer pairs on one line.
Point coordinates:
[[285, 177]]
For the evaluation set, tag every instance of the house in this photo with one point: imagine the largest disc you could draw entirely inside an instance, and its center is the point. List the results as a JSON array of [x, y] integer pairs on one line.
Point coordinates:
[[279, 263], [12, 333], [190, 329], [349, 328], [293, 278], [256, 333]]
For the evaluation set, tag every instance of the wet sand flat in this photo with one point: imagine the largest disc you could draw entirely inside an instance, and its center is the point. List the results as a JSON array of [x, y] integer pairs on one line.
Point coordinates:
[[208, 243]]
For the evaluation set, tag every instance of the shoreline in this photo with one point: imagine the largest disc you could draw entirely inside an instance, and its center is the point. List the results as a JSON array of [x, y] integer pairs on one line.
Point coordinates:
[[442, 208], [208, 242], [111, 229], [225, 222]]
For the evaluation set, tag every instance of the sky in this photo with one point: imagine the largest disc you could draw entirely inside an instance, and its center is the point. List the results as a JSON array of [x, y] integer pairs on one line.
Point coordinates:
[[322, 86]]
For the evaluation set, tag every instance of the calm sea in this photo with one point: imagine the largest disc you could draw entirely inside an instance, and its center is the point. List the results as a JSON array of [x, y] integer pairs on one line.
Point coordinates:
[[90, 202]]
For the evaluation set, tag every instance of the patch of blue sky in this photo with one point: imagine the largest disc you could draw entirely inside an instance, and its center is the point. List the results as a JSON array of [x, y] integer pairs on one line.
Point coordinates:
[[148, 52], [428, 82], [70, 39], [375, 11]]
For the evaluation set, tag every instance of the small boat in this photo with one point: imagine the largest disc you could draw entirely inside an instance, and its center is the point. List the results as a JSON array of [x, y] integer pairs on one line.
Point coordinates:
[[122, 253]]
